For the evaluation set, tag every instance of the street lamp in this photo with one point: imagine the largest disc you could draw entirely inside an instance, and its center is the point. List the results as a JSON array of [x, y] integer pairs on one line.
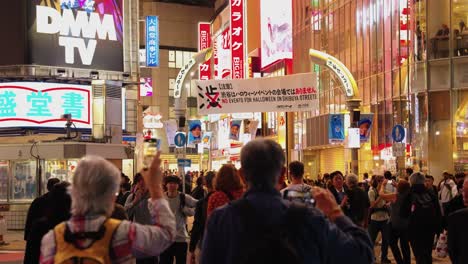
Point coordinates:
[[180, 97]]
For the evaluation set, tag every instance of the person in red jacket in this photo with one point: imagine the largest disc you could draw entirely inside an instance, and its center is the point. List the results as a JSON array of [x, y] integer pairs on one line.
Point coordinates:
[[228, 186]]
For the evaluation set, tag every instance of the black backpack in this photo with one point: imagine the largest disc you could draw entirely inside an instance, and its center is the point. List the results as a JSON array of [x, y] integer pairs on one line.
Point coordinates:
[[424, 215], [271, 244]]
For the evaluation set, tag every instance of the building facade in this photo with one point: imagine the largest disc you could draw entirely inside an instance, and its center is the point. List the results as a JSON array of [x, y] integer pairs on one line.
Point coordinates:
[[409, 60]]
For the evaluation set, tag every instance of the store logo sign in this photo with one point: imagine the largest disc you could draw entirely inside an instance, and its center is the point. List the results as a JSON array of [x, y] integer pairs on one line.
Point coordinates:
[[84, 26]]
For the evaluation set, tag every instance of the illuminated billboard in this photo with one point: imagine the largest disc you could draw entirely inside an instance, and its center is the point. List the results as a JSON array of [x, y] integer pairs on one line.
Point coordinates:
[[152, 41], [34, 104], [222, 56], [276, 31], [85, 34]]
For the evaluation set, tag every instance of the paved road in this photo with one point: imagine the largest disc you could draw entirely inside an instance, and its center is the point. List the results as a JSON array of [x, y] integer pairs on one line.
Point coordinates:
[[14, 252]]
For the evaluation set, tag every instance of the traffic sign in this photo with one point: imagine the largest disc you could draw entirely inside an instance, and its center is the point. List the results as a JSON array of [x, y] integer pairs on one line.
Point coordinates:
[[184, 162], [399, 149], [398, 133], [180, 139]]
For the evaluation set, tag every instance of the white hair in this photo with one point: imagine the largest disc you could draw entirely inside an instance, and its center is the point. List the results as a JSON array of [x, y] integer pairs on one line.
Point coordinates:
[[352, 179], [94, 185]]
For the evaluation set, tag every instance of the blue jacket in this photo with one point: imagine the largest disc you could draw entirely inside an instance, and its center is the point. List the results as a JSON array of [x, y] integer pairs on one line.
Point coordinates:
[[326, 242]]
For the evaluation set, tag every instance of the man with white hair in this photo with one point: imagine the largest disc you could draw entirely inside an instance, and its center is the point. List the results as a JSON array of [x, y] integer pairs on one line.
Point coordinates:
[[91, 234], [358, 201], [457, 238]]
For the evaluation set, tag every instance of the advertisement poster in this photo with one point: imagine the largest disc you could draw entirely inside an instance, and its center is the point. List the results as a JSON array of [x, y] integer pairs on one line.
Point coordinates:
[[195, 133], [146, 86], [85, 34], [336, 128], [206, 139], [37, 104], [297, 92], [223, 55], [276, 31], [152, 41], [237, 38], [235, 129], [365, 126], [204, 41], [171, 130]]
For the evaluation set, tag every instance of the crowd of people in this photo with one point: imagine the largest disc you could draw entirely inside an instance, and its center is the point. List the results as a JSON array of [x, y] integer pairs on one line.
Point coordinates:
[[246, 215]]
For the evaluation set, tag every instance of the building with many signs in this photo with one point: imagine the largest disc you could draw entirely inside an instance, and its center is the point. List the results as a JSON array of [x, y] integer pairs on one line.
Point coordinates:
[[68, 87]]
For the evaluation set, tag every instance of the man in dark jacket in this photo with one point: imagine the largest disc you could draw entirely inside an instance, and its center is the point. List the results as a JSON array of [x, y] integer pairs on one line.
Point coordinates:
[[425, 219], [232, 235], [39, 207], [457, 230], [358, 202], [198, 228]]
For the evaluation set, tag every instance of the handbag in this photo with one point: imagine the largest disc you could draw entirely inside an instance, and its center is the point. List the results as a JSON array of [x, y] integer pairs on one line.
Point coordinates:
[[441, 246]]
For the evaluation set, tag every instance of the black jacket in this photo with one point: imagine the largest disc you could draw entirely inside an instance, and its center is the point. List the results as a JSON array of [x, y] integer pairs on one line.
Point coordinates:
[[323, 242], [39, 208], [457, 236], [199, 221]]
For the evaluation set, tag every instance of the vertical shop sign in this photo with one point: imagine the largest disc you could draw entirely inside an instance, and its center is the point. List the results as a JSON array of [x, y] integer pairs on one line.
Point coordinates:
[[152, 41], [405, 33], [237, 38], [204, 41]]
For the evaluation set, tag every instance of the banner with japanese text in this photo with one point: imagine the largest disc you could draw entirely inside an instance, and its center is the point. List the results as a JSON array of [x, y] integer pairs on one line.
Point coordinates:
[[152, 41], [237, 38], [26, 104], [204, 41], [222, 59], [291, 93]]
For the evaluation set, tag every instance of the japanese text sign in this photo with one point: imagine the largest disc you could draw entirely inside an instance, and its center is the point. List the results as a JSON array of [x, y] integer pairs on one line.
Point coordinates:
[[292, 93], [42, 104], [152, 41], [204, 41], [237, 38]]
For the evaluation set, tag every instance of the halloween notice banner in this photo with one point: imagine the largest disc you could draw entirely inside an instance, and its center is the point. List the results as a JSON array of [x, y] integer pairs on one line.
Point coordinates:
[[298, 92]]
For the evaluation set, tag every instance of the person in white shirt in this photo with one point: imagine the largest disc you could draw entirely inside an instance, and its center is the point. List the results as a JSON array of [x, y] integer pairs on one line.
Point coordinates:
[[296, 172], [447, 190]]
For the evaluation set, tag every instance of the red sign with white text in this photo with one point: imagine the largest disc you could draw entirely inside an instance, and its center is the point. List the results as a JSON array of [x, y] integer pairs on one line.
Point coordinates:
[[237, 38], [204, 41]]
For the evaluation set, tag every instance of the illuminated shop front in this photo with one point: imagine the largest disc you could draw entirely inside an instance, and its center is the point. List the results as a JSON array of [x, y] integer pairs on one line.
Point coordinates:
[[411, 70]]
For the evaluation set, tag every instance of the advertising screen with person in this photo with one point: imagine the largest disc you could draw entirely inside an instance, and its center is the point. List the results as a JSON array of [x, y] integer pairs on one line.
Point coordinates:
[[276, 30], [235, 129], [336, 128], [195, 133], [365, 126]]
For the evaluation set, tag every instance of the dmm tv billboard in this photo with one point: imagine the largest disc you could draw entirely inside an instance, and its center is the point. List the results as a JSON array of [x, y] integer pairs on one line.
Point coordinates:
[[85, 34]]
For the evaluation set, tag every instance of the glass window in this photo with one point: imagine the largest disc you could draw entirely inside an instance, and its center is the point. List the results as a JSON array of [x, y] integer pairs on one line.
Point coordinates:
[[420, 29], [23, 185], [460, 123], [179, 59], [172, 56], [460, 31], [460, 72], [4, 171], [439, 30], [187, 56], [439, 74], [171, 87], [441, 158]]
